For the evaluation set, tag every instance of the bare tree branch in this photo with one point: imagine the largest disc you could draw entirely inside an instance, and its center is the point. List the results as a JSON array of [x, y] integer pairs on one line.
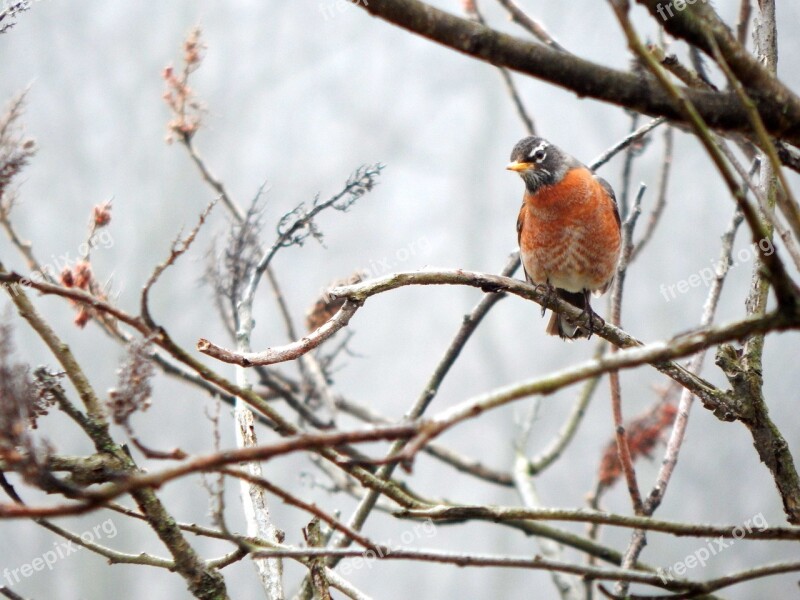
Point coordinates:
[[781, 112]]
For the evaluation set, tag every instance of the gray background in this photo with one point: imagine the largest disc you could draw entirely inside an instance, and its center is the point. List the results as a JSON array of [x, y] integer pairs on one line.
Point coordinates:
[[298, 98]]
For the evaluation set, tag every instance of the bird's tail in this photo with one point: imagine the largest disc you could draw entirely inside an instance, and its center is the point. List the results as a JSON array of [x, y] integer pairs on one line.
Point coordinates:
[[561, 326]]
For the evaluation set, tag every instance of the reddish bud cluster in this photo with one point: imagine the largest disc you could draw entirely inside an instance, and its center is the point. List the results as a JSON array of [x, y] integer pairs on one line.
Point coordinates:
[[192, 47], [79, 276], [644, 433], [469, 6], [101, 215], [185, 108]]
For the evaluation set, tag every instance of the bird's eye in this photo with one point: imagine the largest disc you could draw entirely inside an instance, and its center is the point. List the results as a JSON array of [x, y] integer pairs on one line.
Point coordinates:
[[538, 153]]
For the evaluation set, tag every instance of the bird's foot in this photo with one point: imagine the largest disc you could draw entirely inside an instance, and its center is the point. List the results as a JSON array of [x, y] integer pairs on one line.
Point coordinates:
[[549, 292], [591, 316]]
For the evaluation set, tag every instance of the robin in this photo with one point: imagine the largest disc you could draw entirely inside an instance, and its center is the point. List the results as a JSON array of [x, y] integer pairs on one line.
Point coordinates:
[[568, 230]]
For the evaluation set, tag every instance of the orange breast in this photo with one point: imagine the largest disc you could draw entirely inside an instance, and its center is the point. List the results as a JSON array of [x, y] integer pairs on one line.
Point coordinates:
[[569, 234]]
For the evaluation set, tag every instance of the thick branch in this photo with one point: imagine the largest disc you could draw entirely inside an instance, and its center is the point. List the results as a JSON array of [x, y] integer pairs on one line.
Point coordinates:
[[720, 110], [700, 25]]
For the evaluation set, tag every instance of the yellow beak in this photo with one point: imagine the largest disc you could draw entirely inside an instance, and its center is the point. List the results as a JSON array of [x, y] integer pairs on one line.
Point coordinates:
[[518, 166]]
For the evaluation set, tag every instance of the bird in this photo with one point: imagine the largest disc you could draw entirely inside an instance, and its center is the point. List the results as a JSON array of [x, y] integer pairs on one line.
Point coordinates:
[[568, 230]]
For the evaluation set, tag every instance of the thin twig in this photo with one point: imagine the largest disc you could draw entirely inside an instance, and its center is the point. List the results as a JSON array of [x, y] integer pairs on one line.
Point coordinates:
[[661, 198], [583, 515], [768, 440], [679, 428], [96, 497], [745, 8], [179, 247], [8, 593], [303, 505], [566, 434], [300, 219], [528, 562], [468, 327], [656, 353], [786, 292], [282, 353], [474, 13], [360, 292], [625, 142], [568, 587], [785, 200], [623, 447], [458, 461], [631, 152], [520, 17]]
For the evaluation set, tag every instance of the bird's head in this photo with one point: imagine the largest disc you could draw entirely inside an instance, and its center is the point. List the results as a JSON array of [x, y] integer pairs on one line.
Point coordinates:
[[539, 162]]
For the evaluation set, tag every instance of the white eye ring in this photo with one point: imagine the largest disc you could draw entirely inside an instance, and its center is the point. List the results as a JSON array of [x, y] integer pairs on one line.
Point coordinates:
[[538, 154]]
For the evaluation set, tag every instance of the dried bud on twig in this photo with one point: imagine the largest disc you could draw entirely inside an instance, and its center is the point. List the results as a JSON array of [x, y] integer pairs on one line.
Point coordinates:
[[101, 215], [192, 47], [82, 317], [326, 306], [48, 389], [469, 8], [15, 149], [133, 390], [82, 275], [66, 278], [21, 402]]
